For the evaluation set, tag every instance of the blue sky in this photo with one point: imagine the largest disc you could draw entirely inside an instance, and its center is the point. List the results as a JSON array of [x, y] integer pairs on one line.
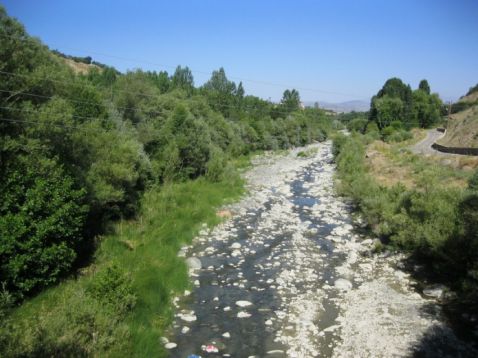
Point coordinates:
[[331, 50]]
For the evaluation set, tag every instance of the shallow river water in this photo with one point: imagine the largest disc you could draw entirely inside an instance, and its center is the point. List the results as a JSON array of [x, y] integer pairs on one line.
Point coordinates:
[[289, 276]]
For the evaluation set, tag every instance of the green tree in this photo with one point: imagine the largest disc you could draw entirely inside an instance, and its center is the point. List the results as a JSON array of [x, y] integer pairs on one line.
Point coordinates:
[[424, 86], [41, 223], [291, 100], [220, 92], [388, 109], [394, 89], [183, 79]]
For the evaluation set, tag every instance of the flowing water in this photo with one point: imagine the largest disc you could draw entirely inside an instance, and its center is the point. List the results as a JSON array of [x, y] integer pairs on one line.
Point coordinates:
[[287, 275]]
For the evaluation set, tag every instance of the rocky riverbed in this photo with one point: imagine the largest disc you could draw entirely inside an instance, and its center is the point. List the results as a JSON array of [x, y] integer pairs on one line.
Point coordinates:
[[288, 275]]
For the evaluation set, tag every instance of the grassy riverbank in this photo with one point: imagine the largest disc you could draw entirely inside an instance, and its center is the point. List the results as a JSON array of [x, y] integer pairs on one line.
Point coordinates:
[[416, 204], [121, 303]]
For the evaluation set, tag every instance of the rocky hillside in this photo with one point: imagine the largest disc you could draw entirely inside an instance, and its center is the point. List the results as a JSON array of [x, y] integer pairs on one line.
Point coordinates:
[[462, 127]]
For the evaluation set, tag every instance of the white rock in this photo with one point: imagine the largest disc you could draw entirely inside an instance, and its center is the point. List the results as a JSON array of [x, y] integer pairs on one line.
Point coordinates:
[[188, 317], [226, 335], [343, 284], [243, 314], [435, 291], [193, 263], [185, 330], [236, 253], [170, 345], [226, 309], [243, 303], [236, 245], [268, 322]]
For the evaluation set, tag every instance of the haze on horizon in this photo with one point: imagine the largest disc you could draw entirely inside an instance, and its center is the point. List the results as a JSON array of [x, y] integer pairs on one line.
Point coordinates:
[[330, 51]]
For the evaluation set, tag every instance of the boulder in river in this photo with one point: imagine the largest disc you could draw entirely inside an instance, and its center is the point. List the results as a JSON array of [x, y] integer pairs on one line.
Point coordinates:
[[243, 303], [343, 284], [170, 345], [236, 245], [434, 291], [193, 263]]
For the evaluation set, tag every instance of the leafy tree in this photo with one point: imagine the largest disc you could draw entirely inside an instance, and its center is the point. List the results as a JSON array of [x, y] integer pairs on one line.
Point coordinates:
[[426, 108], [41, 223], [290, 100], [183, 79], [398, 100], [388, 109], [240, 91], [220, 92], [424, 86]]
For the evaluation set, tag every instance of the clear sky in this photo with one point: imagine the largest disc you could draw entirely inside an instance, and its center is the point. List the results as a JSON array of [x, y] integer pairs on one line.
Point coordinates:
[[336, 50]]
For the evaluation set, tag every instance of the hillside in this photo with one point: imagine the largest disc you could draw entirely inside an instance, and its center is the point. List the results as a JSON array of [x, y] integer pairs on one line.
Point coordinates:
[[462, 129], [471, 97], [79, 67]]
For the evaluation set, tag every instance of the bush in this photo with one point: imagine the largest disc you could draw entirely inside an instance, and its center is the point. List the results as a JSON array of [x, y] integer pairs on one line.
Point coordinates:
[[357, 125], [216, 166], [112, 287], [399, 136], [338, 143], [473, 181], [41, 224]]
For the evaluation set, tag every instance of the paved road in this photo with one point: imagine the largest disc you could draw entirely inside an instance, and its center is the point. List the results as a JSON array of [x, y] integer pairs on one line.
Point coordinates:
[[425, 146]]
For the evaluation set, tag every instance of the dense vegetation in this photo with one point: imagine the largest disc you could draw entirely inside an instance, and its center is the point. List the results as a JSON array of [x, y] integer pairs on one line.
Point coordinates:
[[394, 110], [435, 222], [79, 152], [396, 102]]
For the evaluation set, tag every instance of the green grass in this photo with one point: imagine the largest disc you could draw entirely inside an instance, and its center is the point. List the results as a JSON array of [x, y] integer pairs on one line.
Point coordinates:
[[63, 318]]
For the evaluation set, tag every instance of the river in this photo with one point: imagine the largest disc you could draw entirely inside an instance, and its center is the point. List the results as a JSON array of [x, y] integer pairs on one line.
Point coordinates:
[[290, 275]]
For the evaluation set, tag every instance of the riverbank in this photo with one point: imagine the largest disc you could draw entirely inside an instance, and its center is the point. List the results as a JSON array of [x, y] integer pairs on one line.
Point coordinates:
[[121, 303], [427, 217], [291, 275]]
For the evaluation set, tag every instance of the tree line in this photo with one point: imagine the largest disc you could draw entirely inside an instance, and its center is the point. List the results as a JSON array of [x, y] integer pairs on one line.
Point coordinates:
[[77, 151]]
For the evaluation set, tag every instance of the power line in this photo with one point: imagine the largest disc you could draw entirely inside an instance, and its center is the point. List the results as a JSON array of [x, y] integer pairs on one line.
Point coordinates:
[[198, 71], [64, 126], [274, 110], [36, 110]]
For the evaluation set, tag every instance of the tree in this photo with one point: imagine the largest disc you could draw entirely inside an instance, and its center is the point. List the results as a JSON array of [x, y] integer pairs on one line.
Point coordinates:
[[41, 223], [291, 100], [426, 108], [183, 79], [394, 89], [240, 91], [219, 83], [388, 109], [220, 92], [424, 86]]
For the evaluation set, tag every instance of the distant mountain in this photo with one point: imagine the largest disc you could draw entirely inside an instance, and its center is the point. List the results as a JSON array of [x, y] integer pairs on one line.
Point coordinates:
[[348, 106]]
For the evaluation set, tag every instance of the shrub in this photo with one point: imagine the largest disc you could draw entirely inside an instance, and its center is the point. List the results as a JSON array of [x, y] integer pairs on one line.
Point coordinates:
[[473, 181], [111, 286], [338, 143], [216, 166], [357, 125], [41, 223], [399, 136]]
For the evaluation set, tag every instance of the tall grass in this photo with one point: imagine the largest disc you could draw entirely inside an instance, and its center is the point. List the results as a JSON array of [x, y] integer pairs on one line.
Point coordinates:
[[121, 304]]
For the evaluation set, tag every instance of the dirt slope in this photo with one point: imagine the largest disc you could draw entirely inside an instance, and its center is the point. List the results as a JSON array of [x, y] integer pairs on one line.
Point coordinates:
[[462, 129]]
